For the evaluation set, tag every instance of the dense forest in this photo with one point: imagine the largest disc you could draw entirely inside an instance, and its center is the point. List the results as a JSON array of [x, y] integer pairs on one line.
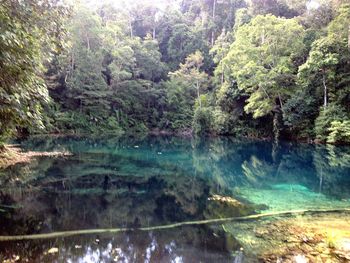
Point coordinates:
[[254, 68]]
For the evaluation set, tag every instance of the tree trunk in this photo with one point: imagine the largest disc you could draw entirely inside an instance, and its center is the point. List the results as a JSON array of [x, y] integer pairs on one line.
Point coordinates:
[[324, 90], [263, 37], [198, 95], [277, 122], [280, 101], [88, 42], [276, 131], [80, 106], [212, 32], [71, 69], [349, 38], [130, 25]]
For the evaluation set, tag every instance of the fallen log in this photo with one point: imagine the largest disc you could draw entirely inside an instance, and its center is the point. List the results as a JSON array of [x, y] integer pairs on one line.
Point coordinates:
[[169, 226]]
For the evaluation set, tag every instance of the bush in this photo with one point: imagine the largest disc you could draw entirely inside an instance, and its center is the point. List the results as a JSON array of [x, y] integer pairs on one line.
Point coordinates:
[[77, 122], [339, 132], [202, 120], [221, 121], [324, 121]]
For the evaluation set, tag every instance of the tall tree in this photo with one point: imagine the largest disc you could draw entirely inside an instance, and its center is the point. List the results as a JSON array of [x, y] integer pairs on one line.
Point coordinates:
[[261, 60], [321, 62], [191, 74], [87, 88]]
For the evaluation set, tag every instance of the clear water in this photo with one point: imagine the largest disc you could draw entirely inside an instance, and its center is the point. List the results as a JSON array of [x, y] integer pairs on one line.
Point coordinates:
[[151, 181]]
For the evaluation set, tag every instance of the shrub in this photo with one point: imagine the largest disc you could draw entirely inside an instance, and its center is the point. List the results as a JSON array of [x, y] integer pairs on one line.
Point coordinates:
[[326, 117], [202, 120], [339, 132]]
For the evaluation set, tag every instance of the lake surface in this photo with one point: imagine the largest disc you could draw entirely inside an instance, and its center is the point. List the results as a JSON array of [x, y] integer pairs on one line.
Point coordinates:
[[154, 181]]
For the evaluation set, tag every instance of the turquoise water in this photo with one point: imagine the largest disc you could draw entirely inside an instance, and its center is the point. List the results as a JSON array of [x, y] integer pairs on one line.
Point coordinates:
[[152, 181]]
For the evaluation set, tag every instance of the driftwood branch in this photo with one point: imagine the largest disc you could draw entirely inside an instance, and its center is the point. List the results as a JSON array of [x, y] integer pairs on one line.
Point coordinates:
[[169, 226]]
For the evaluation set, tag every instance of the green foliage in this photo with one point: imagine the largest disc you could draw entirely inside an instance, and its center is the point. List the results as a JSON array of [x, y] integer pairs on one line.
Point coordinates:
[[220, 121], [300, 112], [148, 60], [191, 75], [247, 68], [180, 102], [75, 122], [323, 123], [261, 56], [339, 132], [287, 9], [184, 91], [202, 120], [25, 28]]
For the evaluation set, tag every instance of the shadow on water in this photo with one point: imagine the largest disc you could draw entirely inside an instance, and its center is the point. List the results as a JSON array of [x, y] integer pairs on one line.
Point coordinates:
[[131, 182]]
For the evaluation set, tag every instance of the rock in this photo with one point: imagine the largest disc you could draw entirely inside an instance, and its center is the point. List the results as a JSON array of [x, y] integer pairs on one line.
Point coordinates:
[[342, 254], [300, 259], [261, 232], [292, 239], [343, 244]]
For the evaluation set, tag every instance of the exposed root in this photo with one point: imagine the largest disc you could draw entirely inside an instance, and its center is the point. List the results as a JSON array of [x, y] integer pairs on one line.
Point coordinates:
[[186, 223]]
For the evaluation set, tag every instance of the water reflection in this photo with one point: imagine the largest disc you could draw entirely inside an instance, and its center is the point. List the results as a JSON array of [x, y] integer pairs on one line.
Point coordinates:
[[186, 244], [132, 182]]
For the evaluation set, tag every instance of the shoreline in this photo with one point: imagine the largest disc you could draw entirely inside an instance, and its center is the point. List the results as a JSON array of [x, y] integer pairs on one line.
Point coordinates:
[[13, 153]]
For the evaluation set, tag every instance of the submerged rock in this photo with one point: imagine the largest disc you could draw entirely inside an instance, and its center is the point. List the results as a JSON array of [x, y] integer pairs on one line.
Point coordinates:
[[308, 238], [227, 206]]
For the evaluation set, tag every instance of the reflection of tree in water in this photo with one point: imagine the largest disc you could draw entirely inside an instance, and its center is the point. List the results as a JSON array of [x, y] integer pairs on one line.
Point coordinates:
[[187, 244], [332, 165], [295, 166], [256, 171], [83, 193], [226, 162], [154, 181], [79, 193]]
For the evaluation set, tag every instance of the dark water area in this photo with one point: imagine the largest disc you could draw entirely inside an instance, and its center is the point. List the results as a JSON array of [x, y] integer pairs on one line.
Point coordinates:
[[154, 181]]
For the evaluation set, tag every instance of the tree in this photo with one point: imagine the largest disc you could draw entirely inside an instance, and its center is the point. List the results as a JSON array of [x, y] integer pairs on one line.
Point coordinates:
[[333, 113], [326, 52], [219, 51], [30, 33], [261, 60], [148, 59], [326, 68], [86, 87], [183, 42], [339, 132], [191, 74], [321, 62], [288, 9]]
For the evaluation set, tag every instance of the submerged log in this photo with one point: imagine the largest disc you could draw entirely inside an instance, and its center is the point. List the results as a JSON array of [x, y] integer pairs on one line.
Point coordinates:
[[169, 226], [13, 154]]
